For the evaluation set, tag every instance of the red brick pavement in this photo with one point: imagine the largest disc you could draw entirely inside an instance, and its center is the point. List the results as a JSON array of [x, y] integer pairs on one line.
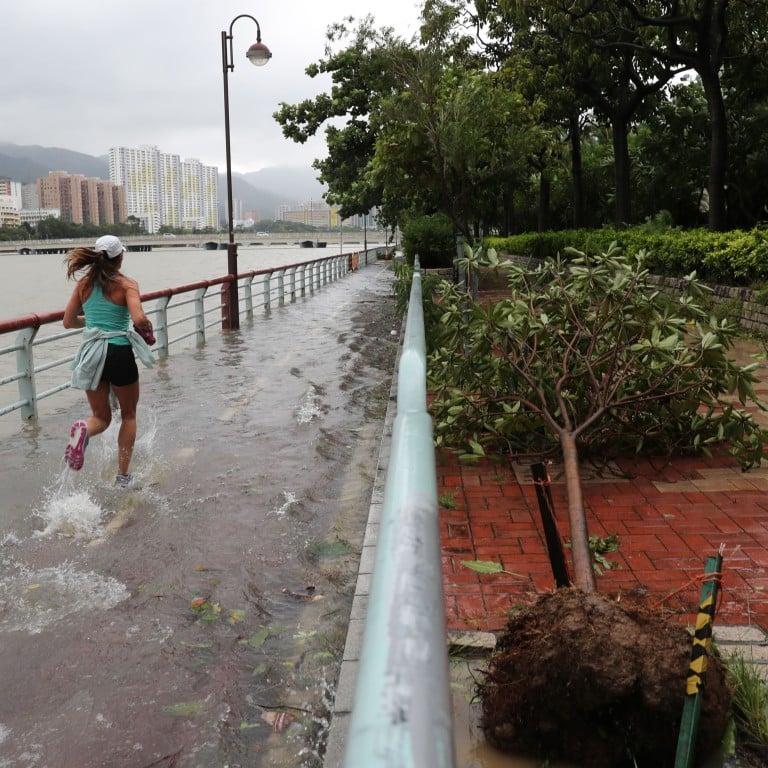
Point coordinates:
[[669, 518]]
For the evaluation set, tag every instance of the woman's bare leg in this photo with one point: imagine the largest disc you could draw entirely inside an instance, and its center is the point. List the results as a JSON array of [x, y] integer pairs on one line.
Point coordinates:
[[98, 399], [128, 397]]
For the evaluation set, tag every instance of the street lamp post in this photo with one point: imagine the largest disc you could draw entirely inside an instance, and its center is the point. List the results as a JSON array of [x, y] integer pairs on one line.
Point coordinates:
[[258, 54]]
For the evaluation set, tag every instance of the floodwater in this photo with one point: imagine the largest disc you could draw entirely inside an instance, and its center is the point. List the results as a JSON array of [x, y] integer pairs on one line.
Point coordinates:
[[198, 618]]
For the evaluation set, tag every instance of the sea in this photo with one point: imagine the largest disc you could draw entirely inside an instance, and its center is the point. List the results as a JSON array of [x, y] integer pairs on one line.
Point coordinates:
[[38, 282]]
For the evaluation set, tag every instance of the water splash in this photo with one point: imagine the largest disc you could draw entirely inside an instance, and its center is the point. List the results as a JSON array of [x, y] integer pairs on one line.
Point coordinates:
[[290, 500], [10, 539], [310, 408], [33, 600], [69, 512]]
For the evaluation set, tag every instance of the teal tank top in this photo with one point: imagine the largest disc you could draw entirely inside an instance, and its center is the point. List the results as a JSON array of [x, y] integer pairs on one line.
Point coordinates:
[[102, 313]]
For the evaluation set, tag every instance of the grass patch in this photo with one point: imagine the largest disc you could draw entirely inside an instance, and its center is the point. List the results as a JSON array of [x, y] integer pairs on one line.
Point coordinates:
[[750, 702], [327, 550], [447, 501]]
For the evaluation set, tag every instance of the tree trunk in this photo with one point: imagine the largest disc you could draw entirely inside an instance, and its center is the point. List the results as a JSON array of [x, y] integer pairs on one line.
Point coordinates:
[[577, 171], [623, 214], [718, 151], [508, 198], [583, 574], [545, 188]]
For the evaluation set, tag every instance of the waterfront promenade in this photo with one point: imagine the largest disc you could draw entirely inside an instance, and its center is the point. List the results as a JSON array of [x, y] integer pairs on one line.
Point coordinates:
[[195, 620]]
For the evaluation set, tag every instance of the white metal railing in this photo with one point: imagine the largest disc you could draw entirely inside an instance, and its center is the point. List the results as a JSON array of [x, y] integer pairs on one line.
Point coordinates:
[[184, 312], [401, 713]]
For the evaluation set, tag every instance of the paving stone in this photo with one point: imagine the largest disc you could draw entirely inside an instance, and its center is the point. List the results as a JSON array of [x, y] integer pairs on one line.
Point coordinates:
[[745, 634], [476, 641], [754, 654], [666, 530]]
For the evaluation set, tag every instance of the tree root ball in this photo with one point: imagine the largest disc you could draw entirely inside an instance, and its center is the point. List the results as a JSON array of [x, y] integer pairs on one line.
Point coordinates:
[[583, 678]]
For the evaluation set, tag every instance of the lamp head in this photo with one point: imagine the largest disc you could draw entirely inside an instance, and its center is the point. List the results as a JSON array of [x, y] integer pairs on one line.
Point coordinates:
[[258, 54]]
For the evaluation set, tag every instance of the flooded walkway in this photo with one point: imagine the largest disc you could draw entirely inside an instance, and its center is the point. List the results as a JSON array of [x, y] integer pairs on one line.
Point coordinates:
[[197, 619]]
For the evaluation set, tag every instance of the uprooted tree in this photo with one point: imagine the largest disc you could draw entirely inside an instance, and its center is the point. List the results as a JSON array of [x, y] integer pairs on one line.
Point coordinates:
[[586, 357]]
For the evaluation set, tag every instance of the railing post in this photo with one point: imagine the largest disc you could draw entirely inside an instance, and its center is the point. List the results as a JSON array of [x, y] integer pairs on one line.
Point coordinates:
[[25, 364], [267, 292], [311, 280], [303, 280], [281, 288], [248, 297], [199, 304], [292, 283], [161, 326]]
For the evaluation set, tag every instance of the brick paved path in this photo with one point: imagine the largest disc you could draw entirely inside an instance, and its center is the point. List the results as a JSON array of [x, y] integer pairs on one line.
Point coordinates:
[[669, 517]]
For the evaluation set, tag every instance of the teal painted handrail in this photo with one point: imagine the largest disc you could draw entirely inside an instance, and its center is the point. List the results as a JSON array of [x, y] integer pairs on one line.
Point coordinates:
[[401, 714]]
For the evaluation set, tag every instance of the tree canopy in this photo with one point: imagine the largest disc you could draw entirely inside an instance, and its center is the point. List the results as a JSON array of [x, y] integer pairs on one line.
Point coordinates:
[[582, 102], [586, 358]]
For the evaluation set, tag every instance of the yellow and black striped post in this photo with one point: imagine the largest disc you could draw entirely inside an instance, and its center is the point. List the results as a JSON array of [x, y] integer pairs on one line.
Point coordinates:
[[702, 644]]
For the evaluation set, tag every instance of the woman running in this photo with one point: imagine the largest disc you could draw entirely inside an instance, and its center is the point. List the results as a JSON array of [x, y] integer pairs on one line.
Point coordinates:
[[104, 301]]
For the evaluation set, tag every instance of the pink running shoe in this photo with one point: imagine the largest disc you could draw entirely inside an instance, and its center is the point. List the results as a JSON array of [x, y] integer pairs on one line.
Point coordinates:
[[74, 453]]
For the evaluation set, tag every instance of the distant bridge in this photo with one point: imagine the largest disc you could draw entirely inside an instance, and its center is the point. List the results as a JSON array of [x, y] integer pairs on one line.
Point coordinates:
[[215, 241]]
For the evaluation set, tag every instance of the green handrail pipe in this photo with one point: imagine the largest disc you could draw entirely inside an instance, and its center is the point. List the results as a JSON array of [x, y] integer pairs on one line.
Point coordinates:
[[401, 713]]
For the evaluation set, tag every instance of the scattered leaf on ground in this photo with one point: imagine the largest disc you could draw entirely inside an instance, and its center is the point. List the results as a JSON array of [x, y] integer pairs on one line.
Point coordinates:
[[302, 597], [278, 720]]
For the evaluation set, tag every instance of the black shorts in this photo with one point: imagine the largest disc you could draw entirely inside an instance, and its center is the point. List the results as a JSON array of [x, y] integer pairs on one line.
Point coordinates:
[[120, 367]]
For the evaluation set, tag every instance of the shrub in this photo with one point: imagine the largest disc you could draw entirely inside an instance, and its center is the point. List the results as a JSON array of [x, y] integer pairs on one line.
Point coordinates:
[[737, 258], [431, 237]]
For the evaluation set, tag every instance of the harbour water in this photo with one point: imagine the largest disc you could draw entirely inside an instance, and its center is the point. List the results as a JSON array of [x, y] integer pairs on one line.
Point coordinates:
[[37, 282]]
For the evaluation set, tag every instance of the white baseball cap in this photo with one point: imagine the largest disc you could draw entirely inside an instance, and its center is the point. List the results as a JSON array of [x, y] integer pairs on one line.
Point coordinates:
[[110, 245]]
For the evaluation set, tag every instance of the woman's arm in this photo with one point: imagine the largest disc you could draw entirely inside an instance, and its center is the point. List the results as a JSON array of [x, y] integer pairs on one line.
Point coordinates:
[[133, 302], [73, 312]]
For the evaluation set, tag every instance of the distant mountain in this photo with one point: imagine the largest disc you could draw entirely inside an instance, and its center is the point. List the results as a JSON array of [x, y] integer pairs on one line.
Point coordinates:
[[263, 190], [293, 184], [269, 188], [26, 164]]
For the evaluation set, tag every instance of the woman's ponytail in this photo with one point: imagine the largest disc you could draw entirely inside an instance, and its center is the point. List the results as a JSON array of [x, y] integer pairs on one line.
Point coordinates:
[[100, 269]]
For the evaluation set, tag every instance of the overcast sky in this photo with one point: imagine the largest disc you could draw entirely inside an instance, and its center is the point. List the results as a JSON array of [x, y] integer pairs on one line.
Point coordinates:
[[88, 76]]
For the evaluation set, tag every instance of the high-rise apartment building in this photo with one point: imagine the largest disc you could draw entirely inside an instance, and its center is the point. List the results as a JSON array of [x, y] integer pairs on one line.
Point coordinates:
[[161, 190], [63, 191], [29, 198], [10, 203], [81, 200], [200, 194], [138, 171]]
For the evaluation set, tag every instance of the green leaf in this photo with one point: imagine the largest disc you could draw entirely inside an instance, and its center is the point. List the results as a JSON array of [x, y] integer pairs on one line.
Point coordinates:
[[477, 449], [257, 640], [482, 566]]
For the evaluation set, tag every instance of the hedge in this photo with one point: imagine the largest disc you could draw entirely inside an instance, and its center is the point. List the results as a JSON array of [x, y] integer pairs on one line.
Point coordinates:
[[736, 258]]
